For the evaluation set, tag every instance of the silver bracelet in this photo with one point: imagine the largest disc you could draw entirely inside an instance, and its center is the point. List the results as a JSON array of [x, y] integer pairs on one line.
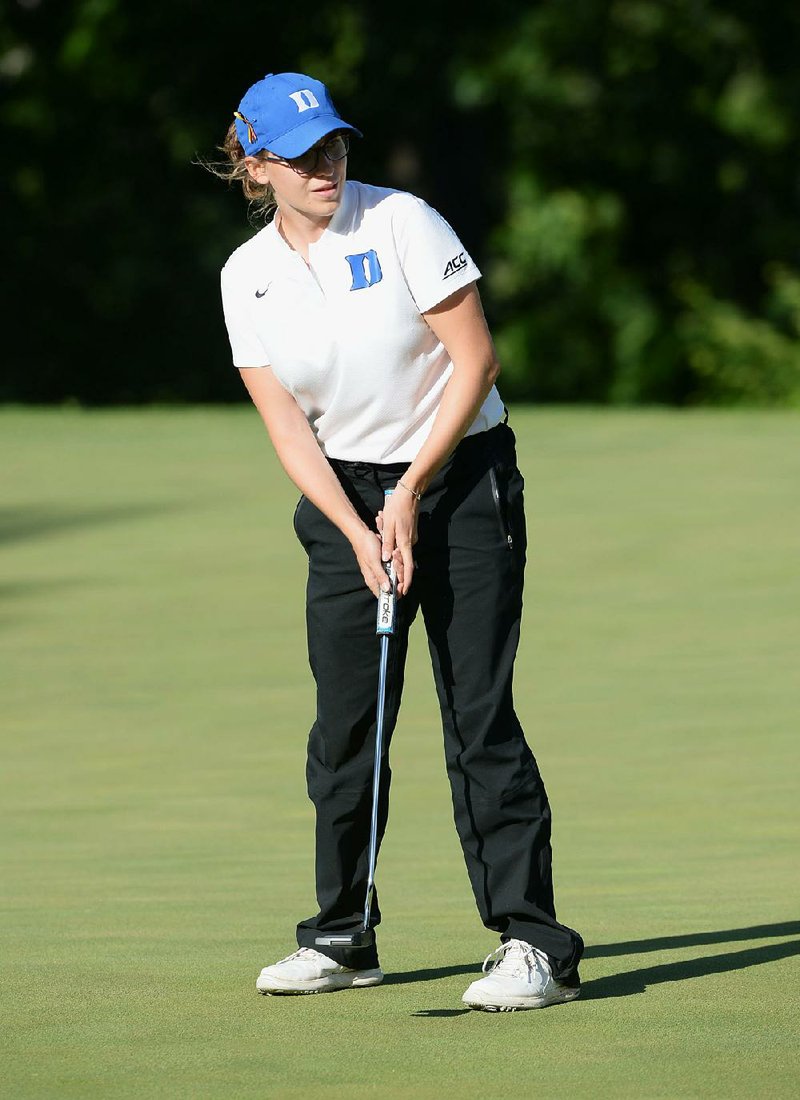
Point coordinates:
[[416, 495]]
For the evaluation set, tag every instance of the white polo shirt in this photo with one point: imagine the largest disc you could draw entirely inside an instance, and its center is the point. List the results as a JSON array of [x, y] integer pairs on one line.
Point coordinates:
[[344, 333]]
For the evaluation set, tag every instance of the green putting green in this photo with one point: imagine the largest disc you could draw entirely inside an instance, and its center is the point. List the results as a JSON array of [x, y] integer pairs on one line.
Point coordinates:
[[156, 836]]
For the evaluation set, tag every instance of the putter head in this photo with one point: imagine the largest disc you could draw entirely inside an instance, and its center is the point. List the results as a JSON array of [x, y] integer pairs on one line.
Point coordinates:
[[364, 937]]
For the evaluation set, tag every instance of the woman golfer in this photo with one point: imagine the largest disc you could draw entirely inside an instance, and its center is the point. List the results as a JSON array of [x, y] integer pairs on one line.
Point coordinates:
[[356, 324]]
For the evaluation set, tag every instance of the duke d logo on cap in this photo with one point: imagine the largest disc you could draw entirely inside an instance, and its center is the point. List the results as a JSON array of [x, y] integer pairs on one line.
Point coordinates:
[[286, 113], [304, 99]]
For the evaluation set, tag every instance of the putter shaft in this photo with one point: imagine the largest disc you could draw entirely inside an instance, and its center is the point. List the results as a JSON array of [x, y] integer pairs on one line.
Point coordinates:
[[376, 779], [384, 629]]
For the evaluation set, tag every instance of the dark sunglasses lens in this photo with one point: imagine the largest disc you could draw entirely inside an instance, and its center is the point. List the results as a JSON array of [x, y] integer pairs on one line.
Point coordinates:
[[337, 148], [306, 162]]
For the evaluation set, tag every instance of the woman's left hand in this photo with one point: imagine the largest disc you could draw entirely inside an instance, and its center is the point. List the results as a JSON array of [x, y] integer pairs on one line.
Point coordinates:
[[397, 524]]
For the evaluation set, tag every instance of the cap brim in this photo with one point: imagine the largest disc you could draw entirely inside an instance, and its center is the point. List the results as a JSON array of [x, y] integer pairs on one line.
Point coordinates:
[[301, 138]]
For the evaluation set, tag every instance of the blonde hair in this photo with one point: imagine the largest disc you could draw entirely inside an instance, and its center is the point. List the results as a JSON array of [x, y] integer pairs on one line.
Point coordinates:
[[260, 196]]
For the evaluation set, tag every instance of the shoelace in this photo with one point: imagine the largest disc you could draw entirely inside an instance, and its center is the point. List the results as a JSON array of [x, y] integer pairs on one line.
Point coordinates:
[[299, 954], [515, 958]]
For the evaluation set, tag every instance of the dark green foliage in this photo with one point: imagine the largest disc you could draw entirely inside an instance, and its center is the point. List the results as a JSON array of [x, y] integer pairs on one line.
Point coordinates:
[[624, 172]]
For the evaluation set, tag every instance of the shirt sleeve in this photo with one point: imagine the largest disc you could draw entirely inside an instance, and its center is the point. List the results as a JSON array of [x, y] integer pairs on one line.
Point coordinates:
[[434, 261], [248, 350]]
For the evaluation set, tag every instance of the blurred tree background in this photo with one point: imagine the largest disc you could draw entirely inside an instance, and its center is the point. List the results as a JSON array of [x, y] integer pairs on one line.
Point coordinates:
[[625, 173]]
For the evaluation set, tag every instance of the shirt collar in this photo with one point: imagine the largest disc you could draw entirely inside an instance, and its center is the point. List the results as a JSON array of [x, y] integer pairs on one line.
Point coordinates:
[[342, 220], [339, 225]]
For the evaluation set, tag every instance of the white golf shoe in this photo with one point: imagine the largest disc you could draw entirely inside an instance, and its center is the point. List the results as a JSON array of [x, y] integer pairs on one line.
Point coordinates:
[[309, 971], [519, 977]]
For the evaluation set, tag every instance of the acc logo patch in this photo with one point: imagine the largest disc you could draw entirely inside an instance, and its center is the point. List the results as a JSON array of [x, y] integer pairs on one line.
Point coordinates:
[[455, 265]]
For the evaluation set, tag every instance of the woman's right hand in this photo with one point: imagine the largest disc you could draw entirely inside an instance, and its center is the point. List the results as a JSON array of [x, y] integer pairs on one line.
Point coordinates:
[[367, 548]]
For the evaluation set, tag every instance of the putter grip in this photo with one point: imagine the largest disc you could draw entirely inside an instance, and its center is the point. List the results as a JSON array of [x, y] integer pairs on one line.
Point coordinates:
[[387, 601]]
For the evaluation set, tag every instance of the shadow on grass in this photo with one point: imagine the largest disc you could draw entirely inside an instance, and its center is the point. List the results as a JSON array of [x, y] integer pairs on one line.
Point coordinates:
[[431, 975], [12, 594], [694, 939], [636, 981], [26, 524], [438, 1013], [21, 524]]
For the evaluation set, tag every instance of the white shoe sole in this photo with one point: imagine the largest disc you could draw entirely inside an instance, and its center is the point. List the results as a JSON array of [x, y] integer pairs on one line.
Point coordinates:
[[281, 987], [517, 1004]]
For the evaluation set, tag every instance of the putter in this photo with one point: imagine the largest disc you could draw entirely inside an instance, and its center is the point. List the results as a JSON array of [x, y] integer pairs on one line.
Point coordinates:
[[365, 936]]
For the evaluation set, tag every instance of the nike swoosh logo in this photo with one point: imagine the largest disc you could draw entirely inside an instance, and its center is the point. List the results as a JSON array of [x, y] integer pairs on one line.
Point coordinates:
[[261, 293]]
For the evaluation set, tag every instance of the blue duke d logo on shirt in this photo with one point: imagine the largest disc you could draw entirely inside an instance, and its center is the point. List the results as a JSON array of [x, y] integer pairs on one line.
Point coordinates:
[[365, 268]]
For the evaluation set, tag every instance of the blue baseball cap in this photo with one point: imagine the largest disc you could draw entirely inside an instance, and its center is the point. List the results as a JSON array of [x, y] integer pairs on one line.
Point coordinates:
[[286, 113]]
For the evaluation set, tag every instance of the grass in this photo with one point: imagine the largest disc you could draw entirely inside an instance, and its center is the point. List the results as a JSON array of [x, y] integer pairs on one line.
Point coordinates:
[[157, 838]]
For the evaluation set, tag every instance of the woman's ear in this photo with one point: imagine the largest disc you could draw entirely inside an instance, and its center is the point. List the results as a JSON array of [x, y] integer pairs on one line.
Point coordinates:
[[258, 169]]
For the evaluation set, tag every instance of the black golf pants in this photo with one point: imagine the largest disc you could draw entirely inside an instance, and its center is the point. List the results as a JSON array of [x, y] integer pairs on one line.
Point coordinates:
[[468, 584]]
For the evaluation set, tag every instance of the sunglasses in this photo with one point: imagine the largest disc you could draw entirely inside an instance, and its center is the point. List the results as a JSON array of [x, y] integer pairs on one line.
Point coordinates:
[[334, 148]]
